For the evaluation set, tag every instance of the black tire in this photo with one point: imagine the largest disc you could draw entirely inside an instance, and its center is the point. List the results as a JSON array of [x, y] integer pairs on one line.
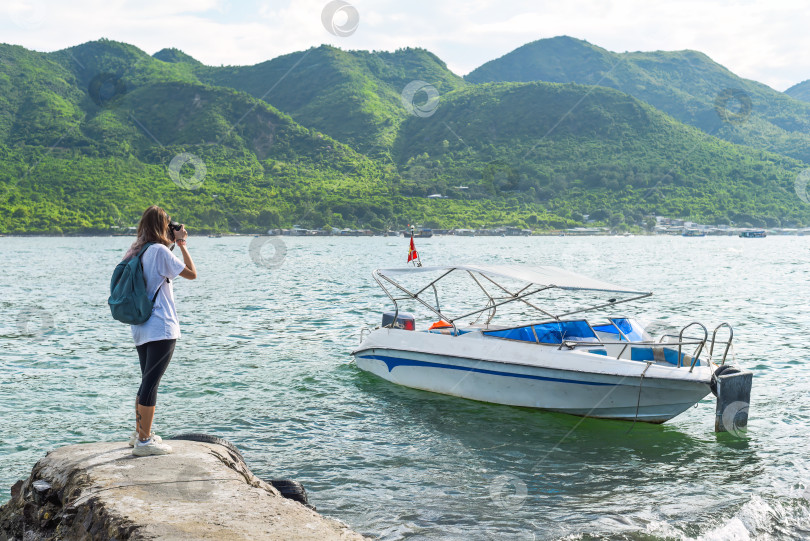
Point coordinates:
[[206, 438], [725, 369], [292, 490]]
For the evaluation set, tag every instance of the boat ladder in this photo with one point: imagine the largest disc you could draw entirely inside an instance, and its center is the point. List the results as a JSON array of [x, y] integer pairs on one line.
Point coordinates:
[[728, 342]]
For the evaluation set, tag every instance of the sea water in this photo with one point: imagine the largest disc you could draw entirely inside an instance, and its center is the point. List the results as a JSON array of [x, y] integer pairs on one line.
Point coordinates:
[[264, 362]]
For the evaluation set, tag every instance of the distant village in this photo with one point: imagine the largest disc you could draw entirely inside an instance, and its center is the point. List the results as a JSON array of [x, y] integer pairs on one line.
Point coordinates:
[[663, 226], [670, 226], [418, 232]]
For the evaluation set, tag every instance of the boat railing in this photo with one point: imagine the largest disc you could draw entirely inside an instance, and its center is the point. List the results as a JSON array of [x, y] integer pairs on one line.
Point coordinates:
[[699, 348], [727, 342], [571, 344], [681, 341]]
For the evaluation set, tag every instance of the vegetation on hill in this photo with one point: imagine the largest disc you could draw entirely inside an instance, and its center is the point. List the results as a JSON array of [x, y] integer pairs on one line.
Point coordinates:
[[354, 96], [91, 135], [612, 156], [685, 84], [800, 91]]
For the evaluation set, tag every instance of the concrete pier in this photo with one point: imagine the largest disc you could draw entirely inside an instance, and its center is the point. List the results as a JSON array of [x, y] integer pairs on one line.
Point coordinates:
[[100, 491]]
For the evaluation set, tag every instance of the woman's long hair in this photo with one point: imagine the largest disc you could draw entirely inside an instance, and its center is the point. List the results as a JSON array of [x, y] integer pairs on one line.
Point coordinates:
[[153, 227]]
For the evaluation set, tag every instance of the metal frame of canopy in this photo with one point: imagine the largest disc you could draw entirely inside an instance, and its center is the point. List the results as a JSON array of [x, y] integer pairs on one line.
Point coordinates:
[[552, 278], [570, 281]]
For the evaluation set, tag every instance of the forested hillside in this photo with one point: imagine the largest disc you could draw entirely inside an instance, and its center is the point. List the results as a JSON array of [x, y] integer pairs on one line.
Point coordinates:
[[800, 91], [685, 84], [91, 135], [353, 96]]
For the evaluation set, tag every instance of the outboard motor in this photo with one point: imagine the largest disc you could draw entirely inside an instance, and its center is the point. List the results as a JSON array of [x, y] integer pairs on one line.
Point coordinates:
[[405, 321], [732, 387]]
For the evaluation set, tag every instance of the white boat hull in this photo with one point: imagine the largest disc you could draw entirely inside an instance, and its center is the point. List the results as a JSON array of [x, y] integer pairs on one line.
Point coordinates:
[[531, 375]]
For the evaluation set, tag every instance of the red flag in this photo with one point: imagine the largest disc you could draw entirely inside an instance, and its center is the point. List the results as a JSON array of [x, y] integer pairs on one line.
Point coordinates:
[[412, 255]]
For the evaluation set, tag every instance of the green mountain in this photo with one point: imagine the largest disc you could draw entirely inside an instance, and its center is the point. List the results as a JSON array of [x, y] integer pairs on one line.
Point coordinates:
[[175, 56], [88, 140], [686, 84], [610, 156], [91, 135], [800, 91], [354, 96]]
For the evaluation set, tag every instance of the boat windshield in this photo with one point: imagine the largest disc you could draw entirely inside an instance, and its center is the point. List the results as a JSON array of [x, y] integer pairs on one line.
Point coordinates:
[[554, 332]]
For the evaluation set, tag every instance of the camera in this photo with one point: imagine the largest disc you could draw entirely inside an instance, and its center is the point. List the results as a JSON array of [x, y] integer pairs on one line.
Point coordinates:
[[174, 226]]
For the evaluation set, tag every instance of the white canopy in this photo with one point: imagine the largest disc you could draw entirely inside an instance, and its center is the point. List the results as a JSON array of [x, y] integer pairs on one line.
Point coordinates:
[[543, 276]]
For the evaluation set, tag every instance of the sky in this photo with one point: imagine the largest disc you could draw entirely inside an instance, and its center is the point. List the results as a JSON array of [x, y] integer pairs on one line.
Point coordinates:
[[764, 41]]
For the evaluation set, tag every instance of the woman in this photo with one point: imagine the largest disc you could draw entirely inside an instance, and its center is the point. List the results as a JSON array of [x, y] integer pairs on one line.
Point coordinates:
[[155, 339]]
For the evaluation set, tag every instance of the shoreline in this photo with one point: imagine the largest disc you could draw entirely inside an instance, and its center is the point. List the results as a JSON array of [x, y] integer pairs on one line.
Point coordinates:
[[734, 233]]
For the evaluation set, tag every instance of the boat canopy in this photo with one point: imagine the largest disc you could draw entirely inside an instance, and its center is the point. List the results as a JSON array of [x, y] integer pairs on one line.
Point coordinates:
[[543, 276]]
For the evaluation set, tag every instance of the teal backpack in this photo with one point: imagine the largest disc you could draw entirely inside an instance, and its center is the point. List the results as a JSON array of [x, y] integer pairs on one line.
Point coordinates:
[[128, 300]]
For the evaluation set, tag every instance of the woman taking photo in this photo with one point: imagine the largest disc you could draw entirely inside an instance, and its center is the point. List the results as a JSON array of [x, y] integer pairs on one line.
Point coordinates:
[[155, 339]]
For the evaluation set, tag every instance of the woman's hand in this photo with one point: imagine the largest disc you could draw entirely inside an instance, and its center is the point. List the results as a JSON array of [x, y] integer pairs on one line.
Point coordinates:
[[190, 272], [182, 234]]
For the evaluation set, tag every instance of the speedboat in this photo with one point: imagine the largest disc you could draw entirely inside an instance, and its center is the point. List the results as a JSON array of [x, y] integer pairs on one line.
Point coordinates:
[[557, 360]]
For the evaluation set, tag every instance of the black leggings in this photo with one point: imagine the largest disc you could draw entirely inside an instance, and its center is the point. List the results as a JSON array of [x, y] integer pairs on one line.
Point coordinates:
[[154, 357]]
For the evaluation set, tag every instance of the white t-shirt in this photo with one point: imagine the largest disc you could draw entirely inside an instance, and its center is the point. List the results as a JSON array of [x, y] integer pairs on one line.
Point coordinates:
[[159, 264]]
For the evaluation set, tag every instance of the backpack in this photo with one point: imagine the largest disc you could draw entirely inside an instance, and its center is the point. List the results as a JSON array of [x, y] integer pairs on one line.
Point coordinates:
[[128, 300]]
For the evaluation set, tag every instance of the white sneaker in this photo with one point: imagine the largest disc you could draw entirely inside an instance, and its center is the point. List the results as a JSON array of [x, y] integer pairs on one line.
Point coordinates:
[[150, 448], [134, 437]]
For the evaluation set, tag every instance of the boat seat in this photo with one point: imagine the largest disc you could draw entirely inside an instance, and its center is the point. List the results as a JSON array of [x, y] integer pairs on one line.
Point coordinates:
[[660, 355]]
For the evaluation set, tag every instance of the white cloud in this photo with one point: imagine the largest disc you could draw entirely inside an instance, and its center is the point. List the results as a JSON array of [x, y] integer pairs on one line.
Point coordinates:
[[755, 39]]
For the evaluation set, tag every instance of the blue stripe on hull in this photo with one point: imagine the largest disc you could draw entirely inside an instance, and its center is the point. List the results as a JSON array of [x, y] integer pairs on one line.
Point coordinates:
[[393, 362]]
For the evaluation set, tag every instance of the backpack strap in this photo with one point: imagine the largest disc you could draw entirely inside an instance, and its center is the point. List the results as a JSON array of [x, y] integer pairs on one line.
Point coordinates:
[[140, 253], [144, 248], [158, 290]]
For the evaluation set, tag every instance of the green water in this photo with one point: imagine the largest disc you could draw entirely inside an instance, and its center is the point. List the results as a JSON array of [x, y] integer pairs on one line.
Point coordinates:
[[264, 361]]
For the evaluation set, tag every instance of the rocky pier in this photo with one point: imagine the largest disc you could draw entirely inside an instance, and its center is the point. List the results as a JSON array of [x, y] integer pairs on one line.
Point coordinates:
[[100, 491]]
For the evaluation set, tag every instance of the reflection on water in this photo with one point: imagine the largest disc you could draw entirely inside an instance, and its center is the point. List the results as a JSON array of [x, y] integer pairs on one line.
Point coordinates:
[[264, 362]]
